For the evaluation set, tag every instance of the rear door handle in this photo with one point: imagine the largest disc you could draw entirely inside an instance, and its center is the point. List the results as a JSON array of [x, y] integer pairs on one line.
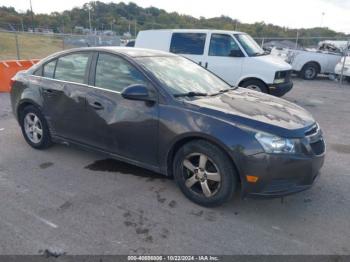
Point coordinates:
[[96, 105], [206, 64]]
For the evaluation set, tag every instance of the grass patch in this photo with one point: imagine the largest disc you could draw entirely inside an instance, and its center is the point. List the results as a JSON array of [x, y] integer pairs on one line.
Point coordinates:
[[30, 46]]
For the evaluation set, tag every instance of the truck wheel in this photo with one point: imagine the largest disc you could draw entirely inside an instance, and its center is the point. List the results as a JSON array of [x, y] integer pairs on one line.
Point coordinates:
[[309, 71], [204, 173], [255, 85]]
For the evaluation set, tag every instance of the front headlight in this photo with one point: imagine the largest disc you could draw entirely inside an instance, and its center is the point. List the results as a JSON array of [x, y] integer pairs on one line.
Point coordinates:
[[274, 144]]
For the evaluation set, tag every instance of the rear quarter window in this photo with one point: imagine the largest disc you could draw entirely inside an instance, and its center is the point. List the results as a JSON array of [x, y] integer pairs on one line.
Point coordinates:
[[188, 43]]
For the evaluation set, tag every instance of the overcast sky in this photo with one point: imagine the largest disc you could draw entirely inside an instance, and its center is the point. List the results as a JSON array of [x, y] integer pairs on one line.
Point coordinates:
[[292, 13]]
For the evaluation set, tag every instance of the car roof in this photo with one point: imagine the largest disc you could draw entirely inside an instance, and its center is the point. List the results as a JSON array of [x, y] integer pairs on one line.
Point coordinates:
[[194, 31], [128, 51]]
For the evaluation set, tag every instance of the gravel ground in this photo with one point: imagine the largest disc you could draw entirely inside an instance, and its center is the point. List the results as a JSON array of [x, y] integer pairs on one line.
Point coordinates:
[[63, 201]]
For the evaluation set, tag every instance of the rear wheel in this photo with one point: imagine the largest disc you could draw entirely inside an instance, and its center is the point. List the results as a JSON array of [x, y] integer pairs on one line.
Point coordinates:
[[204, 173], [255, 85], [309, 71], [34, 128]]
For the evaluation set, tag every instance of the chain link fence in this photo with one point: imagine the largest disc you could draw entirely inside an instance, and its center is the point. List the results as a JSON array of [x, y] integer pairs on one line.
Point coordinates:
[[26, 45]]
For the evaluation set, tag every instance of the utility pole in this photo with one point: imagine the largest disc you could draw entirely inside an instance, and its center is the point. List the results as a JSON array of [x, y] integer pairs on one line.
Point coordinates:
[[32, 14], [90, 19], [135, 28], [322, 16]]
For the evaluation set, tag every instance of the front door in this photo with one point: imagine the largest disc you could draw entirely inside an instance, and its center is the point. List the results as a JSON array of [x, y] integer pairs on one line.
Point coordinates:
[[127, 128], [225, 58]]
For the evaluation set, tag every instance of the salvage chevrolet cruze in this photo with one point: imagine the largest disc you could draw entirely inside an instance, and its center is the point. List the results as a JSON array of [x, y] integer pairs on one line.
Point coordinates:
[[165, 113]]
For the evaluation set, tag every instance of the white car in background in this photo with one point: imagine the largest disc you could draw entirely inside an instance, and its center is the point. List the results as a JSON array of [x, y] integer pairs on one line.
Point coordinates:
[[233, 56], [309, 63]]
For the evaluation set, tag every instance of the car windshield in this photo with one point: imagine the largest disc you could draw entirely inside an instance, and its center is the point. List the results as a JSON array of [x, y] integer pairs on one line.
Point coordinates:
[[249, 45], [181, 76]]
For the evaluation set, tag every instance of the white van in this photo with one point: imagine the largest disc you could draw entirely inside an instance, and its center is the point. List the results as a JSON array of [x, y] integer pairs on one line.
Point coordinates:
[[233, 56]]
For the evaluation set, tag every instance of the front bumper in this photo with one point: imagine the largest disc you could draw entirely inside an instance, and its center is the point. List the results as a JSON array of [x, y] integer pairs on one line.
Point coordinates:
[[280, 175], [280, 89]]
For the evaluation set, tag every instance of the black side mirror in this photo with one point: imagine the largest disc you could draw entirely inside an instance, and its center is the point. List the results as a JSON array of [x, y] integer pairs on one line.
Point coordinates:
[[236, 53], [138, 92]]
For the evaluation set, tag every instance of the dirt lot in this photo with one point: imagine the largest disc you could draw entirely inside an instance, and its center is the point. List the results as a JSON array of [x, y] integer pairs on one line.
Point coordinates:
[[64, 201]]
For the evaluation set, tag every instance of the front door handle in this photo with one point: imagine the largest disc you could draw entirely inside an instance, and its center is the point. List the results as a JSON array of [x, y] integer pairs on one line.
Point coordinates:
[[96, 105], [206, 64]]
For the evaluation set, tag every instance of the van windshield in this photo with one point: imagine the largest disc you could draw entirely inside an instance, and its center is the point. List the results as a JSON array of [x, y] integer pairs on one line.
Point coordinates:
[[181, 76], [249, 45]]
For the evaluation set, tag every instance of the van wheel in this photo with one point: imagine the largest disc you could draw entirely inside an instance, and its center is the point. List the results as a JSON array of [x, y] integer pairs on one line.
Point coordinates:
[[204, 173], [255, 85], [34, 128], [309, 71]]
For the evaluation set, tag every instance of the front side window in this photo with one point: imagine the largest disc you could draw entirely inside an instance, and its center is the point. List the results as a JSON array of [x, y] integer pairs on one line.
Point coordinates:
[[223, 45], [114, 73], [180, 75], [249, 45], [188, 43], [49, 69], [72, 67]]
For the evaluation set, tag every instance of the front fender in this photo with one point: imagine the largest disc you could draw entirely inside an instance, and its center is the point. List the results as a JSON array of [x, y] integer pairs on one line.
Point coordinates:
[[189, 124]]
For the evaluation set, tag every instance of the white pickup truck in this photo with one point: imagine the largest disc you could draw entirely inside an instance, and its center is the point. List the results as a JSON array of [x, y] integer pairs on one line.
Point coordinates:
[[309, 63]]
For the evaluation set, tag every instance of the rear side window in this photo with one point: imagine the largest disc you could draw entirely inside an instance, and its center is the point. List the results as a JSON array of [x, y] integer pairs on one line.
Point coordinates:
[[72, 68], [114, 73], [223, 45], [188, 43], [49, 69]]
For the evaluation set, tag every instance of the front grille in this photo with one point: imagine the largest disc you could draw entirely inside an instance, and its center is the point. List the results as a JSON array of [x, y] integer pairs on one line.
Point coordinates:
[[283, 75], [318, 147], [312, 131], [315, 139]]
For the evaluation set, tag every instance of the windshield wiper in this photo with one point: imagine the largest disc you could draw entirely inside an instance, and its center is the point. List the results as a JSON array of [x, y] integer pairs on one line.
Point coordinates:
[[191, 94], [224, 90]]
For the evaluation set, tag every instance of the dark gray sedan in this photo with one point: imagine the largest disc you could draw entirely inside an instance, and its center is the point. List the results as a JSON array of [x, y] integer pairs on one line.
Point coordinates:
[[165, 113]]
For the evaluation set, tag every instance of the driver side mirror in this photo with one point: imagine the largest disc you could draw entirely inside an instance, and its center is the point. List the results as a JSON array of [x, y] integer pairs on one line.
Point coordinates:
[[138, 92]]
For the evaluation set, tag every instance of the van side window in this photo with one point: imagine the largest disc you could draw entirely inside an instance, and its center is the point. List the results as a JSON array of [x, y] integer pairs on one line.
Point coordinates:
[[224, 45], [72, 67], [114, 73], [49, 69], [188, 43]]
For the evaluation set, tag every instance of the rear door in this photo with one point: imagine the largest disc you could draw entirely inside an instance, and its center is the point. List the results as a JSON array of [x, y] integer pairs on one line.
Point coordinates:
[[225, 57], [190, 45], [64, 84]]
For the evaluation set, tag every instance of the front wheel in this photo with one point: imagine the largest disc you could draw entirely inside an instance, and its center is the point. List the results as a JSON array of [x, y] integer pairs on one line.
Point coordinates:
[[255, 85], [204, 173]]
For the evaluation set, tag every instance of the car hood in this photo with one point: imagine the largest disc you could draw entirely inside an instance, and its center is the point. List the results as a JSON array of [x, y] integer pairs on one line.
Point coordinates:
[[256, 110], [275, 61]]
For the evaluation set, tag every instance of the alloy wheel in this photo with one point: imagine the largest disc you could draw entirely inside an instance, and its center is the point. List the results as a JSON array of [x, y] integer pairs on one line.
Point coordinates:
[[201, 174], [33, 128]]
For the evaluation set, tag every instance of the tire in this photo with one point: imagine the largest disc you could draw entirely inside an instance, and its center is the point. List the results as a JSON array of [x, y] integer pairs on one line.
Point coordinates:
[[193, 183], [33, 122], [255, 85], [309, 71]]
